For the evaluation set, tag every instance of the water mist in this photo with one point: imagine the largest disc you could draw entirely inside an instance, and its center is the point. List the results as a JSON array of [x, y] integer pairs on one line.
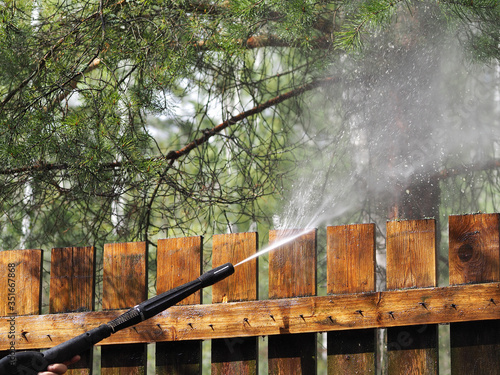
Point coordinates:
[[378, 145]]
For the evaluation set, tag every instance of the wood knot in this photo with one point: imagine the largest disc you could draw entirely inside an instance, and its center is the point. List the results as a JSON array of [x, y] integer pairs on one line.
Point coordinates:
[[465, 253]]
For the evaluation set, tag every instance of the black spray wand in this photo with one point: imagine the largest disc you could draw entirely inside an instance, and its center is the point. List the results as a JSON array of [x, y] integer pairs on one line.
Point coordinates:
[[30, 363]]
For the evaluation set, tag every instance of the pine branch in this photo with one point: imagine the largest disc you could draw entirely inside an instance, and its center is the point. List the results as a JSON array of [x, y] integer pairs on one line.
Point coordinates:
[[370, 13], [321, 24], [40, 66], [72, 83], [43, 61], [208, 133], [261, 41], [174, 155], [258, 41]]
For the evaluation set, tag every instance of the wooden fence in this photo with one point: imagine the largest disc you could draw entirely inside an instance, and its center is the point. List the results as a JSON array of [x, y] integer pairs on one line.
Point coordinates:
[[410, 309]]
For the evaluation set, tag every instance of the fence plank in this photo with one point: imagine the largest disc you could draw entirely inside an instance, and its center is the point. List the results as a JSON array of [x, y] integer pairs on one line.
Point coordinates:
[[351, 269], [237, 355], [474, 256], [179, 260], [23, 295], [28, 273], [124, 286], [383, 309], [380, 310], [72, 275], [292, 273], [411, 262]]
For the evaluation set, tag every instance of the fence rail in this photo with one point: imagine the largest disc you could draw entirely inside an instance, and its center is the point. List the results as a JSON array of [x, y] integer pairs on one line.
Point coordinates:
[[410, 309]]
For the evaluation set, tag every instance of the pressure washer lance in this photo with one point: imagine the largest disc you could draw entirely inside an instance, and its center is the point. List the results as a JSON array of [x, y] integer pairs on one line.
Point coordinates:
[[30, 363]]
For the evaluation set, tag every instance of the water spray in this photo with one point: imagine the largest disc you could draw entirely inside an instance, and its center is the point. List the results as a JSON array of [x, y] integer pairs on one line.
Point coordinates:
[[30, 363], [275, 245], [324, 212]]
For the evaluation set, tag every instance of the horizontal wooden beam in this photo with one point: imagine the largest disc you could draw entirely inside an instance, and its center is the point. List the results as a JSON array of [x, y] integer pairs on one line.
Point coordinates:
[[442, 305]]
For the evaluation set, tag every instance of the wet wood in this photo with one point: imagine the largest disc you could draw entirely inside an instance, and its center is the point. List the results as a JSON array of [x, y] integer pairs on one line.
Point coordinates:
[[292, 273], [413, 304], [404, 307], [411, 254], [474, 249], [20, 293], [475, 258], [179, 260], [292, 266], [351, 269], [72, 277], [411, 262], [124, 286], [26, 279], [235, 355]]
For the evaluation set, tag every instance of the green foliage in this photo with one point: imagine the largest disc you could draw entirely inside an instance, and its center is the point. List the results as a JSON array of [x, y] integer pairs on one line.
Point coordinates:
[[363, 17], [476, 23], [95, 96]]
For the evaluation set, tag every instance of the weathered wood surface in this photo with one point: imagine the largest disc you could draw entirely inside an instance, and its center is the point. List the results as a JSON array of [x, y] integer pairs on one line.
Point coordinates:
[[474, 249], [292, 272], [20, 289], [351, 269], [411, 262], [72, 276], [124, 285], [178, 261], [235, 355], [27, 282], [474, 254], [234, 319], [451, 304]]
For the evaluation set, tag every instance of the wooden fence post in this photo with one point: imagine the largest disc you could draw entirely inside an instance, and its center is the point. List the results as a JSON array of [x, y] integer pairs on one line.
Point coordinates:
[[124, 286], [25, 292], [179, 261], [292, 273], [28, 285], [474, 255], [351, 269], [72, 275], [411, 262], [237, 355]]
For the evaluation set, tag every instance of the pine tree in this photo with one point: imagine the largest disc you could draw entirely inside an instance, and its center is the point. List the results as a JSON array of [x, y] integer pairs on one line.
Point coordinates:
[[85, 85]]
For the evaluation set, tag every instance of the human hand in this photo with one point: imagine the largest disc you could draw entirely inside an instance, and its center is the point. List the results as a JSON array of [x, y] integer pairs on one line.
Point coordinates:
[[59, 368]]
